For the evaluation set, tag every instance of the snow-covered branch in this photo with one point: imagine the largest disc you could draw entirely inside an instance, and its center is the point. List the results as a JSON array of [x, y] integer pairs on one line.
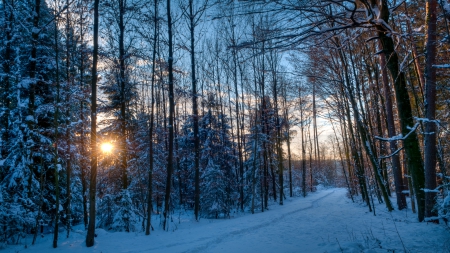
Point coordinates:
[[400, 136]]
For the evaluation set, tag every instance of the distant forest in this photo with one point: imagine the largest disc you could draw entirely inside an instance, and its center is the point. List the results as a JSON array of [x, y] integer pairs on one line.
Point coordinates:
[[112, 111]]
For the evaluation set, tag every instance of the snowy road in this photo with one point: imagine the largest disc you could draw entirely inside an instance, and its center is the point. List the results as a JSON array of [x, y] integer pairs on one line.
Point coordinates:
[[291, 229], [325, 221]]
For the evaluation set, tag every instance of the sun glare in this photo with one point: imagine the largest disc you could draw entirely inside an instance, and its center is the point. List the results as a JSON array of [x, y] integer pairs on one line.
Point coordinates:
[[107, 147]]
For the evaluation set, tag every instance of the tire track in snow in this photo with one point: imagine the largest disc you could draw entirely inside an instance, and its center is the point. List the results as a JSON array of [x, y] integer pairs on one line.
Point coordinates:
[[263, 224]]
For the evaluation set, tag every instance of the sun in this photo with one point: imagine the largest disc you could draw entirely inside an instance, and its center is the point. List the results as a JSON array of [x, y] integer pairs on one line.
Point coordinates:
[[107, 147]]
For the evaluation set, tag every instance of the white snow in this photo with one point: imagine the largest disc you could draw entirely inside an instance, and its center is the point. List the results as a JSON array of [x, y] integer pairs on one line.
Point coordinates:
[[35, 30], [29, 118], [325, 221], [442, 66], [60, 168], [431, 190]]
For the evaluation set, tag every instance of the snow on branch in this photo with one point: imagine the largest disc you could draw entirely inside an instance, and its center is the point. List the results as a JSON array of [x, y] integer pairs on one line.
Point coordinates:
[[442, 66], [400, 136], [427, 120], [436, 190], [428, 190]]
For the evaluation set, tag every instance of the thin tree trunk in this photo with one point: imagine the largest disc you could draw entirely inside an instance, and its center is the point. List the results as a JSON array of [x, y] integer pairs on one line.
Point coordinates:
[[41, 202], [357, 158], [238, 132], [33, 60], [315, 135], [415, 54], [288, 141], [302, 143], [342, 160], [274, 184], [265, 129], [365, 141], [56, 126], [395, 159], [31, 104], [82, 137], [93, 179], [278, 133], [289, 163], [150, 133], [122, 118], [310, 158], [255, 150], [195, 113], [68, 136], [171, 118], [345, 138]]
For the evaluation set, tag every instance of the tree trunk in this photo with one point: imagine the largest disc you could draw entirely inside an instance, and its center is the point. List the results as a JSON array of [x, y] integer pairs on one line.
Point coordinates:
[[278, 133], [195, 113], [315, 134], [289, 162], [411, 144], [255, 150], [56, 126], [31, 103], [93, 179], [395, 159], [363, 132], [430, 110], [302, 143], [68, 136], [122, 83], [171, 118], [357, 158], [150, 133], [238, 122], [274, 184], [6, 80], [288, 141], [83, 165], [310, 158]]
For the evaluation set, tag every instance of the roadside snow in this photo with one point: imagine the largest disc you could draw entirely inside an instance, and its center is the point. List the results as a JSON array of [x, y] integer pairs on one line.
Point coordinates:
[[325, 221]]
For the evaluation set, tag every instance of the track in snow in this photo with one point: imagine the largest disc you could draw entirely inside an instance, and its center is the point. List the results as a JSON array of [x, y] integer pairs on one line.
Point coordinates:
[[324, 221]]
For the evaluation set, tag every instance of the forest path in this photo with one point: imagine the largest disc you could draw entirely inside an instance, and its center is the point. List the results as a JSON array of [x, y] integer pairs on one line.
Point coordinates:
[[290, 229], [324, 221]]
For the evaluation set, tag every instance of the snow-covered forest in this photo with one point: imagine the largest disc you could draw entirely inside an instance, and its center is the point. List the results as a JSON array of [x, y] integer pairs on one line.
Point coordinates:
[[119, 115]]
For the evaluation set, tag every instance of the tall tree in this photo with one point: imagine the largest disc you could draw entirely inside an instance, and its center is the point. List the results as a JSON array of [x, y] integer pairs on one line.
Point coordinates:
[[396, 168], [430, 109], [56, 125], [122, 97], [411, 142], [194, 16], [93, 178], [171, 119], [152, 123]]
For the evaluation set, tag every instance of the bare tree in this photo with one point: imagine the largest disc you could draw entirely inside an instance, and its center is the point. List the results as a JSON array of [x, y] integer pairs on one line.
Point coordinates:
[[194, 17], [430, 110], [152, 123], [93, 179], [171, 119]]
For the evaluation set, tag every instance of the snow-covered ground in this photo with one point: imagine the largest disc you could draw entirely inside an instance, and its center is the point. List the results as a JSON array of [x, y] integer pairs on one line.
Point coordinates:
[[324, 221]]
